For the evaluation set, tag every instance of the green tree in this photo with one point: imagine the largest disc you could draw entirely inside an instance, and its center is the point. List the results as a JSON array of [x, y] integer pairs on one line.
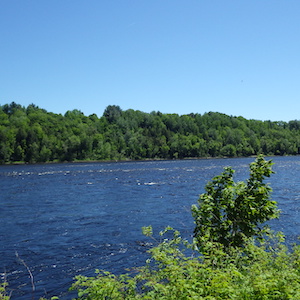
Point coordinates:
[[45, 154], [112, 113], [137, 135], [228, 150], [229, 212]]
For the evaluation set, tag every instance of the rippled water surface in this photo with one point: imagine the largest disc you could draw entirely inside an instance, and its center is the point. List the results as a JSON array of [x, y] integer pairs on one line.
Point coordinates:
[[61, 220]]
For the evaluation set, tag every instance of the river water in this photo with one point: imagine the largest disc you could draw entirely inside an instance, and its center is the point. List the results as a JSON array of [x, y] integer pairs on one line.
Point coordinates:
[[61, 220]]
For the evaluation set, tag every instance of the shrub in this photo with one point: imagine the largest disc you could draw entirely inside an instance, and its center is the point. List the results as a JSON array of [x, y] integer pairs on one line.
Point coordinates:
[[264, 271], [3, 293], [229, 213], [236, 258]]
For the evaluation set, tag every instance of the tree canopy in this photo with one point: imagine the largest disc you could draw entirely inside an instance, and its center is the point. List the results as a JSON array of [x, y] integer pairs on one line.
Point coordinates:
[[31, 134]]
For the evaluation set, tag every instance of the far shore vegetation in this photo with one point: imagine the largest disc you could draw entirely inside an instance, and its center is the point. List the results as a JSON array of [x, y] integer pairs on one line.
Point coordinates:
[[33, 135]]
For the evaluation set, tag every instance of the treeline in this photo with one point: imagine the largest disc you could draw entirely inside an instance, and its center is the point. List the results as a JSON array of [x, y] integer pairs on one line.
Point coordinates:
[[31, 134]]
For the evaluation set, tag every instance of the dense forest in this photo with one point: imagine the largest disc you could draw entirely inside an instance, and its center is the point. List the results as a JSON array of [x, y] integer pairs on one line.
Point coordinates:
[[31, 134]]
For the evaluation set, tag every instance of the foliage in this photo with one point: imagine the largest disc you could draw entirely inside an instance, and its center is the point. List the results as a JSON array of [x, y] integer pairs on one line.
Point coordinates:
[[232, 264], [3, 293], [31, 134], [264, 271], [229, 213]]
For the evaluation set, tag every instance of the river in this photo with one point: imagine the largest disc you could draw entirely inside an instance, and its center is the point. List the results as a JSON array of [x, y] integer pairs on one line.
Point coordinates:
[[61, 220]]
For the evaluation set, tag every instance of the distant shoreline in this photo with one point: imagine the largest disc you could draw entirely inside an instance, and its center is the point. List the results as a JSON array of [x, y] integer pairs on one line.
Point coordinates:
[[132, 160]]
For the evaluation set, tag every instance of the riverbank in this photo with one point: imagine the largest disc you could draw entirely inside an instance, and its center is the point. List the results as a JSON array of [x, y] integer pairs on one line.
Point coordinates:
[[132, 160]]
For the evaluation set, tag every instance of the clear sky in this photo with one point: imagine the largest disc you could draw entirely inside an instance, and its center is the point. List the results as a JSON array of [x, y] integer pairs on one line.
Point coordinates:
[[238, 57]]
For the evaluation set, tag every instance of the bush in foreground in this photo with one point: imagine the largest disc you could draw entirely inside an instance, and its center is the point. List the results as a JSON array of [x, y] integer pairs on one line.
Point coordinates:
[[264, 271], [3, 294], [232, 255], [231, 212]]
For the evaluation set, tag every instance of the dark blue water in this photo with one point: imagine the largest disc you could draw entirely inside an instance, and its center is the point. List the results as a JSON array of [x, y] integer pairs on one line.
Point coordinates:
[[61, 220]]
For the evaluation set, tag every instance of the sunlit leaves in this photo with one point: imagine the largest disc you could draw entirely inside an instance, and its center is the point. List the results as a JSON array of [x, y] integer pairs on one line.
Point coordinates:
[[229, 212], [133, 134], [264, 270]]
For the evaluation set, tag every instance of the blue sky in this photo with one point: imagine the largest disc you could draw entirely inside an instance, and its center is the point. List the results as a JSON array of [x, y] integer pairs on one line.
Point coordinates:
[[241, 58]]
